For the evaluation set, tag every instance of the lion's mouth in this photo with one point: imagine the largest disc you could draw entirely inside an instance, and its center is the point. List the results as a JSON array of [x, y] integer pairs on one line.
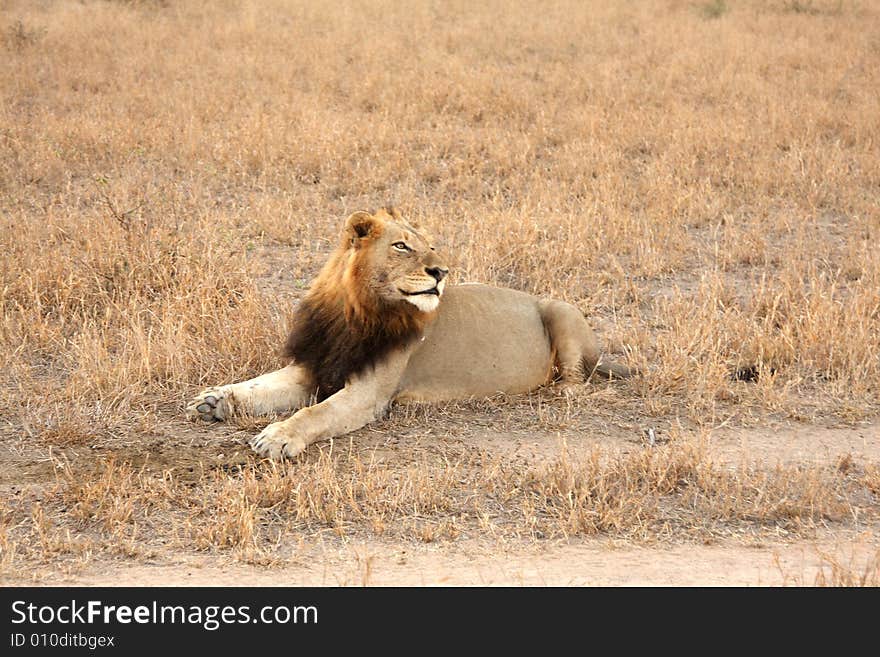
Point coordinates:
[[432, 290]]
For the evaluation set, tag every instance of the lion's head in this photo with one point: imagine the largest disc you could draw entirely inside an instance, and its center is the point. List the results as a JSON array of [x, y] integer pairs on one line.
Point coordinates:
[[376, 292], [385, 260]]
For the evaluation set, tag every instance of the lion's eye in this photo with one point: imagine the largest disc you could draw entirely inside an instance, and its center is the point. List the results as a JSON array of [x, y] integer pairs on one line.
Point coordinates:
[[400, 246]]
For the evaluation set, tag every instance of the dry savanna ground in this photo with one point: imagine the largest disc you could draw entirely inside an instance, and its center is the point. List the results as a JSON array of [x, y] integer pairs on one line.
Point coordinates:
[[702, 178]]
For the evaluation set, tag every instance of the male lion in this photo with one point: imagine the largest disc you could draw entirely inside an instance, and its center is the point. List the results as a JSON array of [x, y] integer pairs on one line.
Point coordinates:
[[379, 324]]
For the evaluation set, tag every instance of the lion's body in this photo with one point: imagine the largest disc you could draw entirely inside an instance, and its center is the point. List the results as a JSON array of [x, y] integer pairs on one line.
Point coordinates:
[[373, 329], [484, 340]]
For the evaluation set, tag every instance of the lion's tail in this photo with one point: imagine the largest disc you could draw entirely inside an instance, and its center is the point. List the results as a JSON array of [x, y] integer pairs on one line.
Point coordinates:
[[609, 370]]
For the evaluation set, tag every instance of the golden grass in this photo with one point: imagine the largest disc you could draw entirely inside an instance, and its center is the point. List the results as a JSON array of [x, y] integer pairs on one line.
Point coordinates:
[[708, 185], [700, 178]]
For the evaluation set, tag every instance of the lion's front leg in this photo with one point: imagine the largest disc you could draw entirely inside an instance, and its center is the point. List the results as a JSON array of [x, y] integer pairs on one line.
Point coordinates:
[[281, 391], [347, 410], [361, 401]]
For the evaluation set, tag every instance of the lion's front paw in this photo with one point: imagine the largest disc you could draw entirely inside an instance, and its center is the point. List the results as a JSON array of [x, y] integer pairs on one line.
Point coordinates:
[[277, 441], [210, 404]]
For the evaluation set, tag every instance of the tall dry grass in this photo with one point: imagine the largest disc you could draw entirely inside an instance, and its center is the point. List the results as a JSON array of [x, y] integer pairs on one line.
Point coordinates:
[[705, 183]]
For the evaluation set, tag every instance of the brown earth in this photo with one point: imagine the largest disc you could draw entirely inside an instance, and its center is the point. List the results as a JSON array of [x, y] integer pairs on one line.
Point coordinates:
[[588, 563], [325, 559]]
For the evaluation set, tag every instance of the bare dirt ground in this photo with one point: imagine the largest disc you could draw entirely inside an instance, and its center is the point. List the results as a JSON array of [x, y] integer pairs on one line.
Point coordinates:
[[587, 563], [742, 558]]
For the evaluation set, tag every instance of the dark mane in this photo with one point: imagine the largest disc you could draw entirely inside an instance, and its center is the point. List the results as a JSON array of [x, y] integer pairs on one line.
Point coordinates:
[[343, 327], [334, 347]]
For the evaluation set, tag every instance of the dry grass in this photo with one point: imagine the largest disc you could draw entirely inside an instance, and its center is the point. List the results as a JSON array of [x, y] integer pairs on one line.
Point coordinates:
[[711, 185], [837, 572], [700, 178]]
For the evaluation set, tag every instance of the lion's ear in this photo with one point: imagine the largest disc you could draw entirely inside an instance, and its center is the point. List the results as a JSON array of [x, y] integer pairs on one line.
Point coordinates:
[[360, 225]]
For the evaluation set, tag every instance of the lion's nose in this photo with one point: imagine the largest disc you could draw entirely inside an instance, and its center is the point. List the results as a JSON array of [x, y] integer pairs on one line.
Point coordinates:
[[437, 272]]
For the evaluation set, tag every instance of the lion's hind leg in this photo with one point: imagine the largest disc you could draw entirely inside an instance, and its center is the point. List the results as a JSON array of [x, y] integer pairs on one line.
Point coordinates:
[[281, 391], [571, 340], [576, 346]]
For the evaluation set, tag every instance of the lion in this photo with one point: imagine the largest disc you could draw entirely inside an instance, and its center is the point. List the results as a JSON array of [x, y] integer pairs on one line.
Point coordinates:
[[379, 324]]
